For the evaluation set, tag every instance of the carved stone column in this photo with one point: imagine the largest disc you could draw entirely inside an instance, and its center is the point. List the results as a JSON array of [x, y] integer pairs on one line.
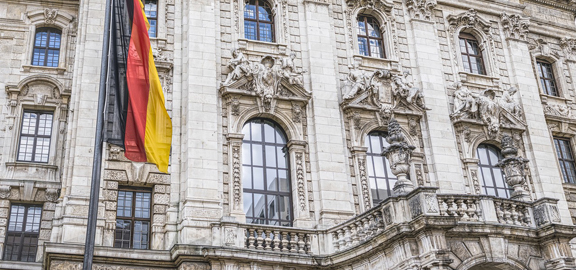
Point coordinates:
[[299, 184], [364, 198], [513, 167], [235, 175], [398, 154]]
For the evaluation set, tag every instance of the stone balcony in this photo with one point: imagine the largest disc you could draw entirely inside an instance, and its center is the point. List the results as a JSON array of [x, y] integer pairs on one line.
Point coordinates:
[[421, 228]]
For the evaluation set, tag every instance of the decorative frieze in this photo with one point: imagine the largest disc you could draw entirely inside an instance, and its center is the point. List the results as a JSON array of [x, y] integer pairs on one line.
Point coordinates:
[[300, 181], [364, 183], [236, 174]]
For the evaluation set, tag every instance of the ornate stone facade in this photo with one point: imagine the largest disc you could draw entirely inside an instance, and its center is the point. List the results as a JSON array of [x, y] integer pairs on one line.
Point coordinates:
[[328, 94]]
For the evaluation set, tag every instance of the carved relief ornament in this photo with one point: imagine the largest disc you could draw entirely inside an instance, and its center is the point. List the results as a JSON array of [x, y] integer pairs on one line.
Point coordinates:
[[367, 91], [468, 19], [487, 108], [270, 79], [421, 9], [515, 26]]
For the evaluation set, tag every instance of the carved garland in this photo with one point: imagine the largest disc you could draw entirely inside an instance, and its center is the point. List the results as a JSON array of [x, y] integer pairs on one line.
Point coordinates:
[[300, 181], [236, 173], [364, 183]]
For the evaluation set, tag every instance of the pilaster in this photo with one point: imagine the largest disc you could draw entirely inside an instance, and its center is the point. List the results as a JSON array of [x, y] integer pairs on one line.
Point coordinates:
[[543, 163], [440, 131], [326, 138]]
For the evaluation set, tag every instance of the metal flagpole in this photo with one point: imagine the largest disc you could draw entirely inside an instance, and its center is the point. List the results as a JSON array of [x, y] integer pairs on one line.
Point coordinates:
[[98, 143]]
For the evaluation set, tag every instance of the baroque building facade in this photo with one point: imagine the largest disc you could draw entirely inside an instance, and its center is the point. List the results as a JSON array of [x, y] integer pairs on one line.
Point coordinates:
[[308, 134]]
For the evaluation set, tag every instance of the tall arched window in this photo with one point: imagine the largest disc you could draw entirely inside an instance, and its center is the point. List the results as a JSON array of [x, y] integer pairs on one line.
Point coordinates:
[[381, 178], [46, 47], [370, 41], [258, 21], [266, 178], [471, 54], [493, 182]]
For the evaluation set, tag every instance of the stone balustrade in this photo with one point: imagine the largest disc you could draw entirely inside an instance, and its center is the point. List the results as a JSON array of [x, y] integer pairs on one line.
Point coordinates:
[[466, 208], [278, 239], [357, 230], [395, 211], [512, 212]]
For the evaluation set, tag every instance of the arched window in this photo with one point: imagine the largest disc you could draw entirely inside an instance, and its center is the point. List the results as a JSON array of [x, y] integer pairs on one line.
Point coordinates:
[[46, 47], [370, 41], [471, 54], [493, 182], [547, 78], [258, 21], [381, 178], [266, 174]]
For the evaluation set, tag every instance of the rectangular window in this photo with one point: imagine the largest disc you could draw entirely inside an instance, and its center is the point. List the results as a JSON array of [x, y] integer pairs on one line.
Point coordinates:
[[547, 80], [22, 235], [151, 11], [133, 219], [35, 135], [566, 159]]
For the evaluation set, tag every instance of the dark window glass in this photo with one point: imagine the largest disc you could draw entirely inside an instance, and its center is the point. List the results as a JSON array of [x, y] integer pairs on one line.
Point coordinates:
[[493, 182], [547, 80], [370, 41], [46, 47], [22, 235], [133, 219], [266, 179], [471, 54], [35, 137], [566, 159], [381, 178], [258, 21], [151, 11]]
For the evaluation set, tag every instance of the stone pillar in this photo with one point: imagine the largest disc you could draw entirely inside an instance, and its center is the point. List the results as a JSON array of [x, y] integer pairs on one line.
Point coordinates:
[[299, 184], [442, 148], [71, 215], [543, 164], [329, 154], [200, 201]]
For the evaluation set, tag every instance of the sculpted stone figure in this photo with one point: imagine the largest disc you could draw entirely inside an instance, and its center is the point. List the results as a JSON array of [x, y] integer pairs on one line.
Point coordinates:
[[239, 65], [266, 80], [356, 82], [464, 101], [509, 103], [289, 70], [406, 90], [489, 111]]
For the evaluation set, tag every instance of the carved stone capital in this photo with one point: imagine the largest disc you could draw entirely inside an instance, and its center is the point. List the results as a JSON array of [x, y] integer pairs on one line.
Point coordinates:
[[514, 26], [421, 9]]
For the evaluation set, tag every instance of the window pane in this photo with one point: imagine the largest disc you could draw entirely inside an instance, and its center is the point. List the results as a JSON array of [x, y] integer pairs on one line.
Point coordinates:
[[124, 208], [38, 57], [373, 30], [142, 209], [42, 150], [246, 154], [54, 41], [16, 218], [250, 30], [258, 176], [363, 46], [248, 204], [270, 156], [141, 234], [122, 234], [265, 32], [263, 14], [281, 156], [284, 208], [269, 134], [247, 177], [361, 27], [26, 148], [151, 8], [376, 48], [284, 182], [250, 12], [41, 39], [271, 180], [153, 26], [257, 154], [272, 207]]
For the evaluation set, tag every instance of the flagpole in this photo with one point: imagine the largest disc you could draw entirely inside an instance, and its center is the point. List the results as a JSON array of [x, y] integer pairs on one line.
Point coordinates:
[[98, 145]]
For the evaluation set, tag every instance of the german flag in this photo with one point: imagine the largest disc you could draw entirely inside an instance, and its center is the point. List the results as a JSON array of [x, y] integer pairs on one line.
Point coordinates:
[[136, 117]]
